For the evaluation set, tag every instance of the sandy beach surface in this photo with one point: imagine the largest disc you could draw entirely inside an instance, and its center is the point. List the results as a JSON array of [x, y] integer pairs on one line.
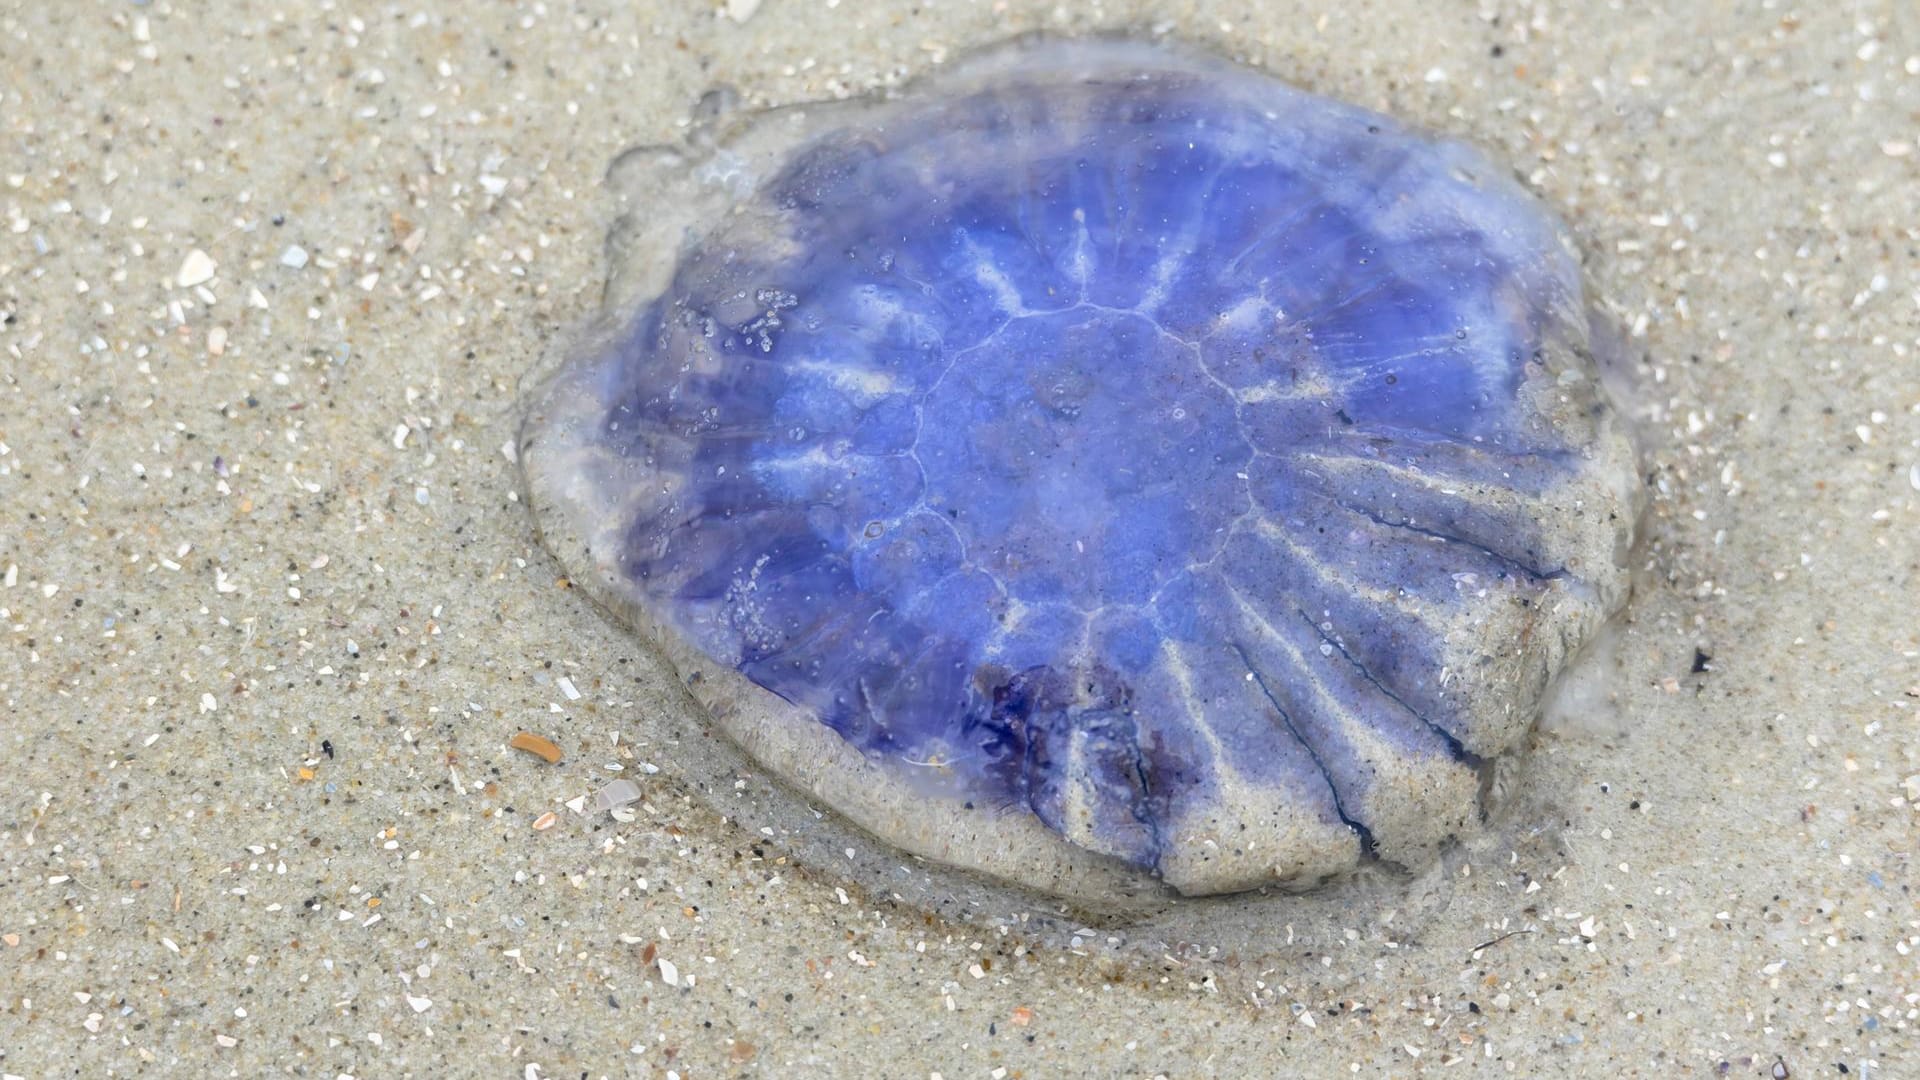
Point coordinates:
[[272, 276]]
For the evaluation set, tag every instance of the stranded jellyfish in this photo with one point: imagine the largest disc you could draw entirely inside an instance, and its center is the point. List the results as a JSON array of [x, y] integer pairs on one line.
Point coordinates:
[[1098, 463]]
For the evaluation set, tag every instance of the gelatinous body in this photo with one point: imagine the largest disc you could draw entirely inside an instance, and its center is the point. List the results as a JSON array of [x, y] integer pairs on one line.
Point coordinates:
[[1100, 463]]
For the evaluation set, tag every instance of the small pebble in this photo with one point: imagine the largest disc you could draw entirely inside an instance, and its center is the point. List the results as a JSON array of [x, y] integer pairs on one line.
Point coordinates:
[[196, 269], [615, 795], [534, 744]]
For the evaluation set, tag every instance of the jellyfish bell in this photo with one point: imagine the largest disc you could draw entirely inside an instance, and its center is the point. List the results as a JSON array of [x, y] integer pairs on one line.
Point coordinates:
[[1098, 465]]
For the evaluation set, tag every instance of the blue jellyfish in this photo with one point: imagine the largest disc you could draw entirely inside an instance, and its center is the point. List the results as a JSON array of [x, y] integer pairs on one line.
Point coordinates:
[[1099, 463]]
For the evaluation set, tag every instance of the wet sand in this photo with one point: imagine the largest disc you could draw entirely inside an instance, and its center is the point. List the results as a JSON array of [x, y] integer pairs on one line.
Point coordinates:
[[271, 279]]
